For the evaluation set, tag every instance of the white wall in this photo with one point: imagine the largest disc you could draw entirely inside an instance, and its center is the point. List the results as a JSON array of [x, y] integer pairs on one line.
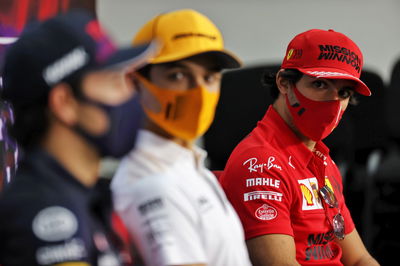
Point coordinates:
[[259, 30]]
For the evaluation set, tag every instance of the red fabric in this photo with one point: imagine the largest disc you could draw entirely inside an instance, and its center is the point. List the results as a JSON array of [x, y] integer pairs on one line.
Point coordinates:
[[22, 9], [217, 173], [327, 54], [271, 179], [120, 228], [315, 119]]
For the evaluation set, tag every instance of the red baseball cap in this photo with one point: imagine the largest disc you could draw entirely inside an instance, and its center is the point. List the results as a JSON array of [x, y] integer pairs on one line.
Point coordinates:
[[326, 54]]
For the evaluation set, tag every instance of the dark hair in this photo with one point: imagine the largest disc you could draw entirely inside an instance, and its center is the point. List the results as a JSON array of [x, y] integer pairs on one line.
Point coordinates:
[[292, 75], [145, 71], [269, 80], [32, 118], [30, 124]]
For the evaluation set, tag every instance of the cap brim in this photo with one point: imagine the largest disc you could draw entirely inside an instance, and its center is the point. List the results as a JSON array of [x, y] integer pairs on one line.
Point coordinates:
[[333, 73], [224, 57], [132, 57]]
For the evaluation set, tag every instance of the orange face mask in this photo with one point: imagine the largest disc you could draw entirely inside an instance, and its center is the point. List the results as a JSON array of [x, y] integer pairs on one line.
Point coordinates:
[[184, 114]]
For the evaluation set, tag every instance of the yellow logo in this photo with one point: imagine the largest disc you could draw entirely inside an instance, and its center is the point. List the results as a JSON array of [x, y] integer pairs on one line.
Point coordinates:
[[328, 183], [289, 54], [308, 195]]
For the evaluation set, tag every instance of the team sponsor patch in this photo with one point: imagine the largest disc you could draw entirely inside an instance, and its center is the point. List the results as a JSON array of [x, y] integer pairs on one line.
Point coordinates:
[[158, 232], [253, 165], [150, 206], [294, 54], [66, 65], [266, 195], [73, 250], [54, 224], [266, 212], [263, 181], [309, 190], [340, 54], [318, 247]]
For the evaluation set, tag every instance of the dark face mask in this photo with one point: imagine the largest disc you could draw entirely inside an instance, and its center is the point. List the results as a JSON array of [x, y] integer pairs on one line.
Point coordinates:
[[124, 121]]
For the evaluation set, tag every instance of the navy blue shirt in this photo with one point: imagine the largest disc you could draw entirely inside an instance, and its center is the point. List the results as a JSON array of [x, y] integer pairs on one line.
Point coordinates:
[[48, 217]]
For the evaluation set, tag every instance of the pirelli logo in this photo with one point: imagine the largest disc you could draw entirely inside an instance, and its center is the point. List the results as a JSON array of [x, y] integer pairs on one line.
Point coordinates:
[[265, 195]]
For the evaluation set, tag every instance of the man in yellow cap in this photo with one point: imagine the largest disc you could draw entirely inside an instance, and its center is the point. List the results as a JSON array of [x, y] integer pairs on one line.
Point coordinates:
[[172, 205]]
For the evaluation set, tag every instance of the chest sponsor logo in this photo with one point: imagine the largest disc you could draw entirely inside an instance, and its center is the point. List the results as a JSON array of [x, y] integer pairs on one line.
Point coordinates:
[[150, 206], [73, 250], [266, 195], [254, 166], [319, 247], [266, 212], [54, 224], [263, 181], [309, 190]]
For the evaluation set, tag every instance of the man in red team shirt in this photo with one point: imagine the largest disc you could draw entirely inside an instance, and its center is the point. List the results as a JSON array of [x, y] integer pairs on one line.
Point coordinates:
[[280, 179]]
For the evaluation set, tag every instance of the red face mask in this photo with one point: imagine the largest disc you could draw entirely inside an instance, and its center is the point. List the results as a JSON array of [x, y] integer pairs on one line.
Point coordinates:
[[315, 119]]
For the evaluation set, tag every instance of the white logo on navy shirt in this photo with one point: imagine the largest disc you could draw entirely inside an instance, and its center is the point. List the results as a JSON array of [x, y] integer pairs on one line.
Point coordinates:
[[54, 224]]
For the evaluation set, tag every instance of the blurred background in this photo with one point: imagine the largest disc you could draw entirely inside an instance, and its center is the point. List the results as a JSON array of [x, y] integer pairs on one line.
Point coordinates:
[[365, 146]]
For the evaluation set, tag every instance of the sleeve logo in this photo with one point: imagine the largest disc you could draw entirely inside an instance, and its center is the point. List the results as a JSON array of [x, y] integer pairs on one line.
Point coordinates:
[[253, 165], [267, 195], [266, 212]]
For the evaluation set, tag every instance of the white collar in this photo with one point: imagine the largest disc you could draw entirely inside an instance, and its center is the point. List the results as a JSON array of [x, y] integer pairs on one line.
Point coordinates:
[[166, 150]]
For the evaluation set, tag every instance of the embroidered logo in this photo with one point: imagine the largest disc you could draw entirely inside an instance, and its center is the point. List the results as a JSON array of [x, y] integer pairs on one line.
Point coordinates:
[[267, 195], [266, 212], [309, 190]]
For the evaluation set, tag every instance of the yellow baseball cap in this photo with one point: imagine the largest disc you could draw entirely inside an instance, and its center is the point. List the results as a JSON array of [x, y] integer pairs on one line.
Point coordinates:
[[185, 33]]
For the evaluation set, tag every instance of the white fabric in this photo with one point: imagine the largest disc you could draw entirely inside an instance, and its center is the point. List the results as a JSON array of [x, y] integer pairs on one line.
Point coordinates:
[[174, 207]]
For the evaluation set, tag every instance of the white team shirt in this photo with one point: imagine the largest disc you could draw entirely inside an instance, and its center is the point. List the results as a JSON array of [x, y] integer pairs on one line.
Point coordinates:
[[174, 208]]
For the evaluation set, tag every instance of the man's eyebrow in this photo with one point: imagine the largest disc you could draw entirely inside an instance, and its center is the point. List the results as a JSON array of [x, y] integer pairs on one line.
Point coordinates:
[[334, 82]]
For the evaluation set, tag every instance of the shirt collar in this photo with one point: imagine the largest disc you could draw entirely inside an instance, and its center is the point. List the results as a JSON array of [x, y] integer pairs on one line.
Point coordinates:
[[166, 150], [273, 125]]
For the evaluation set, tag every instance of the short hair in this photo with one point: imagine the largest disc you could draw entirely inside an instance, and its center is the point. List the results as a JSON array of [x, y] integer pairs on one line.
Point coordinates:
[[269, 80]]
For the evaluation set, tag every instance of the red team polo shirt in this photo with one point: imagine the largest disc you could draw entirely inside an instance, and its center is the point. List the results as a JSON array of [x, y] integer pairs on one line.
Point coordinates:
[[272, 179]]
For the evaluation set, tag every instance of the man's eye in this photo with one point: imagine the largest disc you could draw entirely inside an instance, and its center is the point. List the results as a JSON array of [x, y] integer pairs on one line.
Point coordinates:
[[176, 76], [345, 93], [319, 84]]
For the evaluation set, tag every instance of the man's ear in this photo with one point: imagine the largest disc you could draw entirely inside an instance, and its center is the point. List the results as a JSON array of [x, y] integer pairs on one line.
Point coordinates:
[[62, 104], [283, 84], [136, 82]]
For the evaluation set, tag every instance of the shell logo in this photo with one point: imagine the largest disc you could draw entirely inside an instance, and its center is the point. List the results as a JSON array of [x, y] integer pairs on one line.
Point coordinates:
[[308, 195], [289, 54]]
